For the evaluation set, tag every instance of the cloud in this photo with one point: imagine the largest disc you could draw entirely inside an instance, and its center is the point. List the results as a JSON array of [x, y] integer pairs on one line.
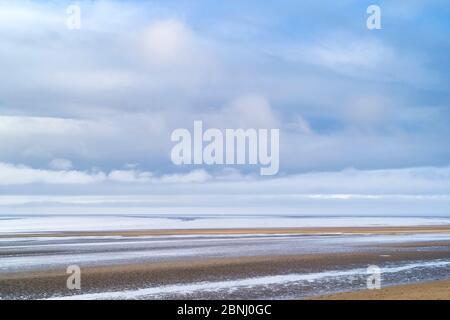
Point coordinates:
[[362, 57], [249, 110], [16, 125], [412, 191], [191, 177], [21, 175], [27, 14], [422, 180], [60, 164], [83, 140], [166, 41], [407, 181], [300, 124], [129, 176], [252, 111], [11, 174], [111, 92]]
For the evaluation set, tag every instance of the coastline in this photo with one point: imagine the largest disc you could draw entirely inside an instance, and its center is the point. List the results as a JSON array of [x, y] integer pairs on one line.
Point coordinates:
[[243, 263], [115, 278], [237, 231]]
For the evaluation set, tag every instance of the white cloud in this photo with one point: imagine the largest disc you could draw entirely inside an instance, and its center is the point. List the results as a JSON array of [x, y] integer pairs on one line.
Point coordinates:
[[367, 58], [409, 181], [26, 15], [129, 176], [366, 110], [60, 164], [424, 180], [246, 111], [300, 124], [252, 111], [46, 138], [19, 125], [167, 41], [21, 175], [367, 54], [195, 176], [413, 191], [110, 93]]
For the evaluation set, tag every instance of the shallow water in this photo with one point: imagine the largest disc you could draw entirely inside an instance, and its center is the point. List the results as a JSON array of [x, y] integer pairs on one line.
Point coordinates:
[[20, 223]]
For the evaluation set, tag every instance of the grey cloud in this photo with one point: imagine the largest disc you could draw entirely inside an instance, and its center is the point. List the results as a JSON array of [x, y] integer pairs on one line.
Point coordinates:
[[111, 93]]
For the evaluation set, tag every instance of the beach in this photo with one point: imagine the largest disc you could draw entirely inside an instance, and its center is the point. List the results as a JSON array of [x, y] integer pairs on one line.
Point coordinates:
[[314, 261], [233, 278], [435, 290], [247, 150]]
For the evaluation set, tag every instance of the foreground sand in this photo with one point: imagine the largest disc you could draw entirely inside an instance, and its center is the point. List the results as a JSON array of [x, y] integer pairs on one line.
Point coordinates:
[[436, 290], [117, 277]]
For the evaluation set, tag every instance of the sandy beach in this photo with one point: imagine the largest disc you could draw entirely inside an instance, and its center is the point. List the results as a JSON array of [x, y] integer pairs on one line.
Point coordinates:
[[269, 263], [435, 290], [237, 231], [43, 284], [185, 150]]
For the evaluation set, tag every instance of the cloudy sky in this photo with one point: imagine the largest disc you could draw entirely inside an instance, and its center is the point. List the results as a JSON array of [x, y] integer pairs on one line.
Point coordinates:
[[86, 115]]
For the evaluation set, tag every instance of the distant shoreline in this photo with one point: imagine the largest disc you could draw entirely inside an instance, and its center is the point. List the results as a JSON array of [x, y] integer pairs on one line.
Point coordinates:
[[237, 231]]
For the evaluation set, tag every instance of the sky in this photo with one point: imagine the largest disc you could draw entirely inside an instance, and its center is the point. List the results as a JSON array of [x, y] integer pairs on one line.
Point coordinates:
[[86, 115]]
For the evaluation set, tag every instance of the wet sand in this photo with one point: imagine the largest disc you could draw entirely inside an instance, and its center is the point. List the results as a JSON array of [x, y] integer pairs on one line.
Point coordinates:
[[210, 263], [43, 284], [434, 290]]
